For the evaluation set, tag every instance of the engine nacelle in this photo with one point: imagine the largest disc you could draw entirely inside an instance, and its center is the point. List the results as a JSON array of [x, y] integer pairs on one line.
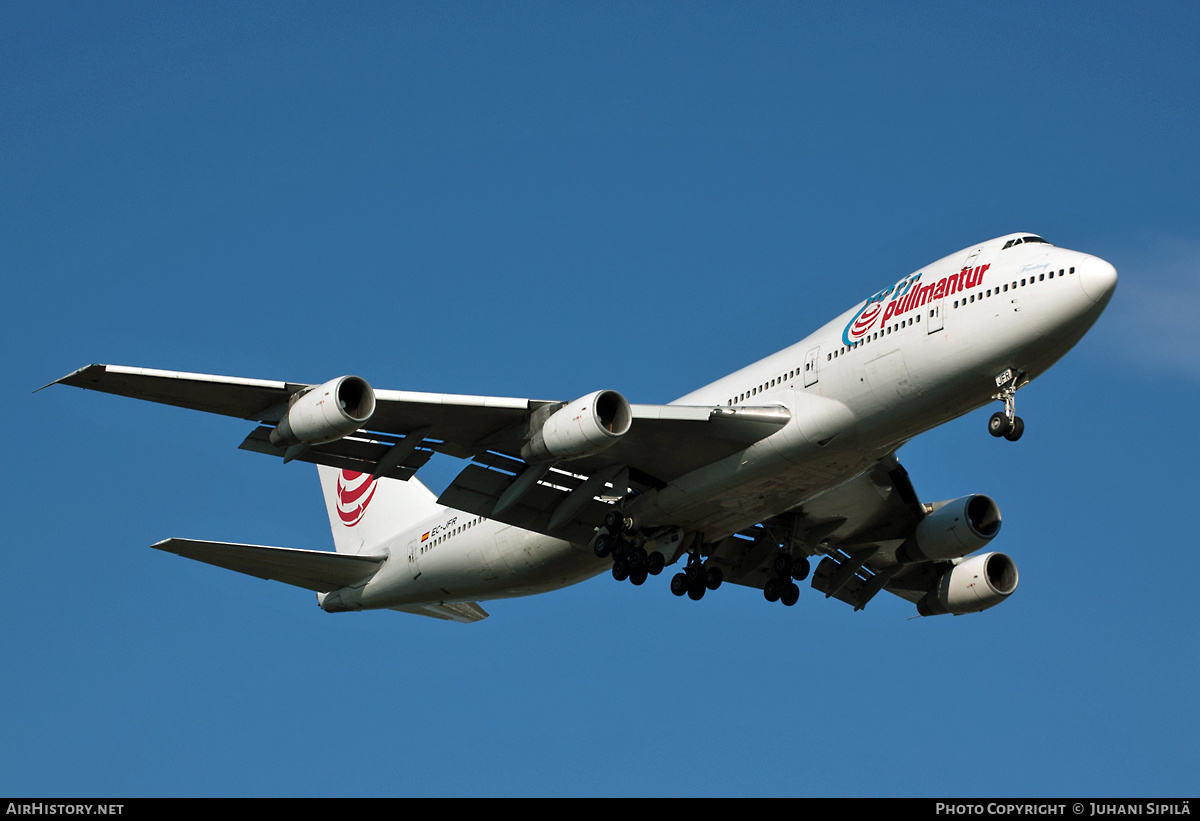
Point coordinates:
[[954, 529], [971, 586], [581, 428], [326, 413]]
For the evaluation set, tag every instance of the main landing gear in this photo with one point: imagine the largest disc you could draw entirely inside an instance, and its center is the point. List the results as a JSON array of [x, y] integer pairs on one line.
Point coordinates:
[[780, 586], [1006, 423], [630, 561], [634, 562], [696, 577]]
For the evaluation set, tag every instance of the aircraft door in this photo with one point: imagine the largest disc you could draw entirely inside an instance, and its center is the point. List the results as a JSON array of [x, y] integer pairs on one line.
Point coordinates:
[[508, 549], [810, 366], [934, 316], [414, 548]]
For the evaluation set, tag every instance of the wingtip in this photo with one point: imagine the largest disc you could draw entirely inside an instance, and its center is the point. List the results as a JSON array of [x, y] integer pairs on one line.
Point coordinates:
[[74, 373]]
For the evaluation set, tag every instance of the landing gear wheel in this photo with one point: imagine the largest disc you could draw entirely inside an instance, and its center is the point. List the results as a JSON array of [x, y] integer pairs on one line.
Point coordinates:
[[679, 584], [636, 557], [782, 565], [620, 570], [800, 569], [638, 577], [655, 563], [614, 522], [1018, 427], [620, 549], [713, 578], [771, 590], [790, 594], [999, 425], [603, 546], [696, 589]]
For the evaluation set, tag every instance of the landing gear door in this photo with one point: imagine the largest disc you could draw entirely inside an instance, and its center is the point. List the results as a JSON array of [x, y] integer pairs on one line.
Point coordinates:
[[810, 366]]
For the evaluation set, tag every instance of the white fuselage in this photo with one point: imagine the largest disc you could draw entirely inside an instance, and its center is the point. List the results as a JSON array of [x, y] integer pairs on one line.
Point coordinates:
[[915, 355]]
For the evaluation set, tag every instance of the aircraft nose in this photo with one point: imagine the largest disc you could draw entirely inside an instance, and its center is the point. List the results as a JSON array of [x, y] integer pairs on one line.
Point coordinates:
[[1098, 279]]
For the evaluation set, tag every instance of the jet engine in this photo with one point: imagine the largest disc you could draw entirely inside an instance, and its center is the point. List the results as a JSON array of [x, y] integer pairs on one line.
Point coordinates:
[[581, 428], [971, 586], [326, 413], [954, 529]]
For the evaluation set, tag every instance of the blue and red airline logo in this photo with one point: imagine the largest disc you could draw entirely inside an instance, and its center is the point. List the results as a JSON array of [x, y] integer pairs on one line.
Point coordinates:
[[905, 296], [354, 493]]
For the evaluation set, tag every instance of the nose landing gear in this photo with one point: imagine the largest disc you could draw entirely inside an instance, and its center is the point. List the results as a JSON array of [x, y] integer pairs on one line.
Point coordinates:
[[1006, 423]]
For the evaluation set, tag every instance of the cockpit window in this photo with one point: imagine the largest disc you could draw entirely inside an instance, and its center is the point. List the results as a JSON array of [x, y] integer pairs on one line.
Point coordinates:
[[1020, 240]]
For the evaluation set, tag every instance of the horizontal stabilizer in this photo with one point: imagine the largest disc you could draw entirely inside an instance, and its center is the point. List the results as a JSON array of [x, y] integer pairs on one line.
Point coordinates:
[[463, 612], [317, 570]]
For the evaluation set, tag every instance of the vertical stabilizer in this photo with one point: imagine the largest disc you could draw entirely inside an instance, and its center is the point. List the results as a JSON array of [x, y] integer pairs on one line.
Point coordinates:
[[365, 512]]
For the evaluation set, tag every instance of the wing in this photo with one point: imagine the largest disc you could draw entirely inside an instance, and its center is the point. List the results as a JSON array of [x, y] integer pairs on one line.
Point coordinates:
[[863, 530], [549, 495], [405, 431]]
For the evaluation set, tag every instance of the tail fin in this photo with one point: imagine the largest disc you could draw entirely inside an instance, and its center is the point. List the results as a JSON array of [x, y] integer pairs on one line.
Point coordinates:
[[364, 512]]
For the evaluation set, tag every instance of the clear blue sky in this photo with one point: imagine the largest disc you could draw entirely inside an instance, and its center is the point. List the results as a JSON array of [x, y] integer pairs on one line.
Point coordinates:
[[545, 199]]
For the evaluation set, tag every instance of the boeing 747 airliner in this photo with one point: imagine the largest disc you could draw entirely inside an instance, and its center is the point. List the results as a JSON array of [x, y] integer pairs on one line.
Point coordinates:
[[745, 480]]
